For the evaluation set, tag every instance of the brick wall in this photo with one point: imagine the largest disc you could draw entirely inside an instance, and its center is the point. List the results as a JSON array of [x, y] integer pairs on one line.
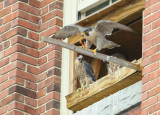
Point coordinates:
[[151, 59], [29, 69]]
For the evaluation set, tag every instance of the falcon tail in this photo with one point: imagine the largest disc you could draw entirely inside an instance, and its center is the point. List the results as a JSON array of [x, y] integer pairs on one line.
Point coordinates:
[[111, 45]]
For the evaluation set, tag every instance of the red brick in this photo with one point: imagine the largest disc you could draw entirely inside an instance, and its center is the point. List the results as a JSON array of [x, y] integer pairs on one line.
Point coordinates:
[[5, 11], [42, 60], [150, 85], [45, 3], [25, 108], [3, 110], [5, 28], [151, 35], [156, 40], [41, 77], [155, 58], [147, 11], [156, 24], [25, 75], [56, 5], [16, 48], [41, 93], [24, 58], [32, 52], [42, 45], [29, 9], [10, 17], [35, 3], [149, 102], [145, 79], [31, 85], [1, 5], [51, 23], [54, 54], [8, 67], [15, 112], [4, 62], [48, 97], [147, 45], [10, 98], [147, 28], [151, 18], [51, 15], [135, 111], [24, 41], [40, 110], [145, 62], [48, 82], [154, 2], [20, 65], [29, 17], [12, 81], [144, 96], [9, 2], [13, 32], [155, 7], [31, 102], [50, 64], [1, 21], [15, 6], [33, 36], [44, 10], [151, 51], [4, 93], [50, 31], [1, 55], [3, 78], [52, 112], [33, 70], [154, 108], [46, 50], [28, 25], [150, 68], [6, 44], [154, 91], [155, 74]]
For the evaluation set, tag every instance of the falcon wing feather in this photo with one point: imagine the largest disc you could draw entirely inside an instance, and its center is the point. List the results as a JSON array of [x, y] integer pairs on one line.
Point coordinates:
[[68, 31], [106, 27], [89, 70]]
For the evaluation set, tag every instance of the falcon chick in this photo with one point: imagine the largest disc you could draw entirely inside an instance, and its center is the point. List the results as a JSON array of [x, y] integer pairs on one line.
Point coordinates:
[[94, 34], [84, 72], [112, 67]]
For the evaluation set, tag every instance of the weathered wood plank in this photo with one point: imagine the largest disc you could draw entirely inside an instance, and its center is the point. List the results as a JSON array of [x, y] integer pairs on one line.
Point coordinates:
[[104, 87], [91, 54], [117, 15], [96, 66], [72, 76]]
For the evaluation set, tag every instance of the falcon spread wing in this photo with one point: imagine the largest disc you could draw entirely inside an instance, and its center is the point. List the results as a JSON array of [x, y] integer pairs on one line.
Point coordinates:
[[106, 27], [68, 31]]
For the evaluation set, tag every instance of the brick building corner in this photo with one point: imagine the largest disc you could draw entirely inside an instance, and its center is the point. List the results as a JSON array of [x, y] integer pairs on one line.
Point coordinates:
[[30, 69]]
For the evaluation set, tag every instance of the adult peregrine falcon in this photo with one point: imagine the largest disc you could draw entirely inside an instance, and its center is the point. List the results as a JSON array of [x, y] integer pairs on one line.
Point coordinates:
[[84, 72], [94, 34]]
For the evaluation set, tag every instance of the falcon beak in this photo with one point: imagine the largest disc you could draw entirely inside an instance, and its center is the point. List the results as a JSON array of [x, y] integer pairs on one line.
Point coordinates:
[[83, 34]]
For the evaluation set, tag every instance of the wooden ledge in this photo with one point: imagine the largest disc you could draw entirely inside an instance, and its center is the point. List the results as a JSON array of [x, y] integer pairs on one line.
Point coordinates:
[[104, 87]]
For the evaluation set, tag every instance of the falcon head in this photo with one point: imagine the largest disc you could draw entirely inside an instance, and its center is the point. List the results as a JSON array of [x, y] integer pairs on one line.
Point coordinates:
[[80, 58], [87, 31]]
